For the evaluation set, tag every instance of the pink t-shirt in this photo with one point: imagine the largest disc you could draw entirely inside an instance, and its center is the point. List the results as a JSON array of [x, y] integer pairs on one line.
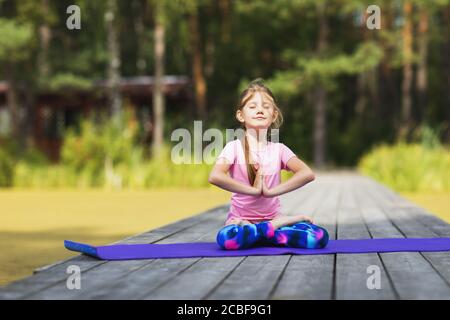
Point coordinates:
[[273, 157]]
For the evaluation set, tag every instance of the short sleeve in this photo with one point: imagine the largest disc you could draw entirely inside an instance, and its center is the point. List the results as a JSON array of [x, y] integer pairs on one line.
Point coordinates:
[[228, 152], [286, 155]]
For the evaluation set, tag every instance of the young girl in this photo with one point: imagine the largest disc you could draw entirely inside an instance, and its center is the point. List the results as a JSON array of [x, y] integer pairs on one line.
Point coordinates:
[[254, 164]]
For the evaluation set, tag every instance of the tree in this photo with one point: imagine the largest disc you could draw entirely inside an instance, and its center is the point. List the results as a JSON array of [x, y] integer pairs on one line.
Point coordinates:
[[422, 66], [113, 74], [407, 55], [41, 15], [14, 48], [320, 94], [317, 73], [139, 13], [158, 94], [197, 62], [446, 63]]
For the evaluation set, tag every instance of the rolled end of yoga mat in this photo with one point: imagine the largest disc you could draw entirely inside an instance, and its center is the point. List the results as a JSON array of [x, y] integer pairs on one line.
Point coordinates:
[[81, 247]]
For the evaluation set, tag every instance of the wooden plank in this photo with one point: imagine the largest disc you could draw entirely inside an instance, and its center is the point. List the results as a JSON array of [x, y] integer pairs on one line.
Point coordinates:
[[353, 270], [291, 201], [255, 277], [57, 273], [95, 281], [311, 277], [433, 222], [420, 223], [198, 279], [412, 275], [315, 195], [138, 284]]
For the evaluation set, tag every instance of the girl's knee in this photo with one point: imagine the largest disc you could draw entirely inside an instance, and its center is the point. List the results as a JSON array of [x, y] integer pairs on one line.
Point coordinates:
[[318, 237], [322, 237], [303, 235], [234, 236]]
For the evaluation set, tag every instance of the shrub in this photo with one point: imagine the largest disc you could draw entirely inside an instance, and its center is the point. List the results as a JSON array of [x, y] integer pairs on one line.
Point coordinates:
[[6, 169], [409, 167], [108, 154]]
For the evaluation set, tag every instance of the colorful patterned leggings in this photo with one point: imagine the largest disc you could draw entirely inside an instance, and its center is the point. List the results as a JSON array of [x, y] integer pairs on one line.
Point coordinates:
[[299, 235]]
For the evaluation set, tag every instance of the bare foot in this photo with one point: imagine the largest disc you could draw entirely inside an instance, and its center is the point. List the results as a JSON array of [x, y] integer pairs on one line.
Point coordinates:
[[238, 221], [285, 220], [301, 217], [243, 222], [233, 221]]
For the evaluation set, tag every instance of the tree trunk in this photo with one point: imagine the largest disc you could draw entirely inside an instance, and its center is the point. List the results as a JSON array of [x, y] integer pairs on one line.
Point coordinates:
[[197, 65], [361, 80], [361, 93], [225, 8], [389, 98], [44, 40], [372, 78], [320, 127], [320, 96], [421, 79], [406, 121], [446, 64], [210, 44], [13, 104], [158, 95], [114, 97], [44, 70], [139, 12], [30, 116]]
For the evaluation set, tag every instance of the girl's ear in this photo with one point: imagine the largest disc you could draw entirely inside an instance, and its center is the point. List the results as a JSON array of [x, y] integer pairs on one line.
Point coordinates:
[[239, 116], [275, 116]]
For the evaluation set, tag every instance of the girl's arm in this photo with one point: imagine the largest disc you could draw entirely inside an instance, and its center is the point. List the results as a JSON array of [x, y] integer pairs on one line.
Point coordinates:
[[219, 177], [302, 175]]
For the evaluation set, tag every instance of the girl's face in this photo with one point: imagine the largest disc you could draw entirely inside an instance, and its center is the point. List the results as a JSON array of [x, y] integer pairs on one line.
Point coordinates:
[[258, 113]]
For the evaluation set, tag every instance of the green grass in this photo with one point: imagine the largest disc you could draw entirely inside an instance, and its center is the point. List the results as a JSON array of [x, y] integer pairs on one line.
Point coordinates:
[[412, 168], [420, 172]]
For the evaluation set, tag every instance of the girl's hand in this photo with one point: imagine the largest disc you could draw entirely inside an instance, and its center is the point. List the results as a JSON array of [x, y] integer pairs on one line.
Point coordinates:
[[258, 184], [305, 218], [265, 191], [268, 193]]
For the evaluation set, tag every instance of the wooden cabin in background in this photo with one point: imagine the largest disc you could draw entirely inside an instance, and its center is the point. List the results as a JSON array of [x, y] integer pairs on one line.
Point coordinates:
[[56, 111]]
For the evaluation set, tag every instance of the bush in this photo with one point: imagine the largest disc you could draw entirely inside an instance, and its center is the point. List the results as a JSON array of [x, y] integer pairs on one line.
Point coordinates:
[[108, 154], [409, 167], [6, 169], [11, 156]]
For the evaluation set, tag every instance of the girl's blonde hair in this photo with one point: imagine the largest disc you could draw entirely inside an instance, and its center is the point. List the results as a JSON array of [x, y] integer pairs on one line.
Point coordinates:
[[254, 86]]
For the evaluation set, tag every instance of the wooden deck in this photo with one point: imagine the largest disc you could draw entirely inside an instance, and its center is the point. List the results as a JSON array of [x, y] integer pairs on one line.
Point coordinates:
[[348, 205]]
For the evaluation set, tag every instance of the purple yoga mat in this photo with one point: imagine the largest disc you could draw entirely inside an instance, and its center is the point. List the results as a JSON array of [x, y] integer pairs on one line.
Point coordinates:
[[212, 249]]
